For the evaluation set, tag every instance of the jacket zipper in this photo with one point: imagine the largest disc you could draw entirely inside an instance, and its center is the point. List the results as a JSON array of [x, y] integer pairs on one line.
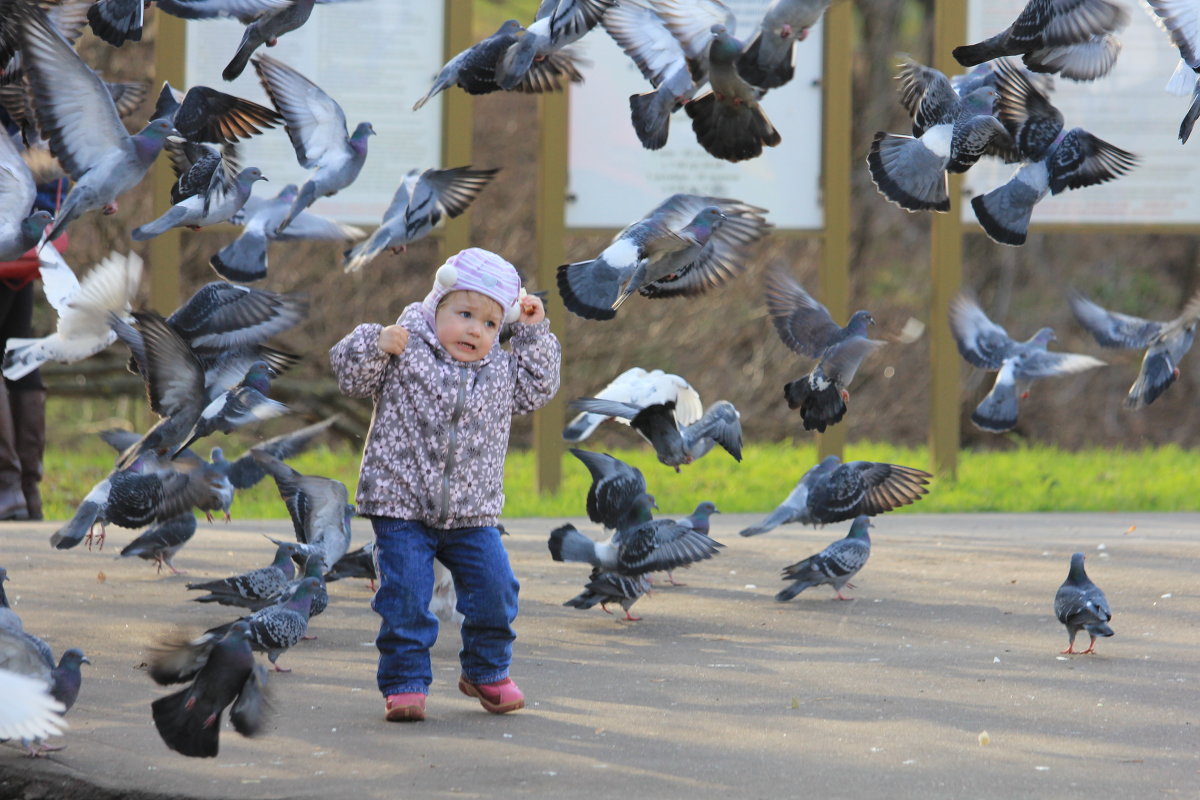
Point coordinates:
[[455, 416]]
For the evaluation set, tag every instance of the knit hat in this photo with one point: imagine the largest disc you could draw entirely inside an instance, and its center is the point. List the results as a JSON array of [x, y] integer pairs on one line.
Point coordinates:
[[476, 270]]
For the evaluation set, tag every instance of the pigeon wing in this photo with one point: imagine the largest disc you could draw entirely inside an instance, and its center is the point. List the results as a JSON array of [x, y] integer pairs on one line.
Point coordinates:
[[803, 324], [1111, 329], [314, 121]]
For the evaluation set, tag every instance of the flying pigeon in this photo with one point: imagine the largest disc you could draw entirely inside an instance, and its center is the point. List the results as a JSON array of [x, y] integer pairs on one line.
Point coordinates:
[[835, 565], [807, 328], [986, 345], [216, 196], [950, 133], [1056, 159], [832, 492], [423, 200], [118, 21], [685, 246], [239, 405], [84, 311], [1165, 343], [1073, 38], [245, 258], [474, 69], [318, 507], [222, 672], [266, 28], [638, 387], [556, 24], [358, 563], [1179, 19], [276, 628], [616, 492], [316, 125], [255, 588], [161, 542], [675, 444], [768, 60], [203, 114], [76, 113], [728, 121], [20, 225], [1080, 605]]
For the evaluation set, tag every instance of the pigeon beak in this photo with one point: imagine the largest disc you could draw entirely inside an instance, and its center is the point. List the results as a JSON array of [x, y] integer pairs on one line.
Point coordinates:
[[85, 660], [175, 138]]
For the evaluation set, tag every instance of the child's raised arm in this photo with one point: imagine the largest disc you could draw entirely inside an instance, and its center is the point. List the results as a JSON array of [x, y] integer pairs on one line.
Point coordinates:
[[359, 359], [538, 355]]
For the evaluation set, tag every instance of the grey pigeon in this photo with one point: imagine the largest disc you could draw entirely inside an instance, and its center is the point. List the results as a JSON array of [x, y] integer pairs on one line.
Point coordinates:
[[807, 328], [605, 586], [950, 132], [118, 21], [27, 655], [1056, 159], [422, 201], [221, 198], [638, 387], [687, 245], [835, 565], [616, 491], [1165, 343], [245, 258], [222, 673], [316, 125], [675, 444], [318, 507], [76, 113], [728, 121], [1080, 605], [20, 226], [832, 492], [255, 588], [239, 405], [203, 114], [163, 541], [986, 345], [1178, 19], [1073, 38], [276, 628], [768, 59], [556, 24], [9, 620], [314, 567], [474, 69], [358, 563], [245, 472], [698, 520], [84, 309], [266, 28]]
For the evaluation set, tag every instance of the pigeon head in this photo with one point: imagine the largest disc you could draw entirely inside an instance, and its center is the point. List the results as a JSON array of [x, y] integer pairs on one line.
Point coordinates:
[[250, 175], [1044, 337], [72, 658], [705, 509], [980, 101], [258, 376], [510, 28], [708, 220], [148, 142], [358, 139], [239, 632], [314, 566], [33, 225], [724, 48], [858, 528], [859, 322]]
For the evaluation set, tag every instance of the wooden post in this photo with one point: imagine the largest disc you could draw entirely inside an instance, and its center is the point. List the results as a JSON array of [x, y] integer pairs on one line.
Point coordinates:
[[551, 250], [170, 44], [836, 120], [457, 119], [945, 255]]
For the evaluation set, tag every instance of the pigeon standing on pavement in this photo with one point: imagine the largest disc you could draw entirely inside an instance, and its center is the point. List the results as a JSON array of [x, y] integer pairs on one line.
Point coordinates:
[[1074, 38], [638, 387], [832, 492], [807, 328], [316, 125], [728, 121], [423, 200], [255, 588], [768, 59], [161, 542], [835, 565], [1179, 19], [222, 672], [75, 111], [674, 444], [1080, 605], [1056, 159], [245, 258], [986, 345], [1165, 343], [276, 628], [9, 620], [685, 246]]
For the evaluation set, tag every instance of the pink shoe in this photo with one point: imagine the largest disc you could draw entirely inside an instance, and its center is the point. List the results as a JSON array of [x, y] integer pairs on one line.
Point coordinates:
[[500, 697], [407, 707]]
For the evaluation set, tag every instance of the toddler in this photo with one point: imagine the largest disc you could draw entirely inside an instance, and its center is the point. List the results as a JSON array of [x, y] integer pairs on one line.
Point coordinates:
[[432, 468]]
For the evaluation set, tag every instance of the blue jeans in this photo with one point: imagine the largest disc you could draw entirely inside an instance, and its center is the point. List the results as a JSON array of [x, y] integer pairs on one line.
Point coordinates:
[[487, 598]]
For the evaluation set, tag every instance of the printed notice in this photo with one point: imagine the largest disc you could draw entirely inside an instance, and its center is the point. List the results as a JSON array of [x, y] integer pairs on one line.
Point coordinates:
[[1129, 108], [613, 180], [375, 58]]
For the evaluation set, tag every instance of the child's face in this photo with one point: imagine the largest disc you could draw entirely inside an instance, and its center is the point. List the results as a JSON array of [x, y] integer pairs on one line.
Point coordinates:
[[467, 324]]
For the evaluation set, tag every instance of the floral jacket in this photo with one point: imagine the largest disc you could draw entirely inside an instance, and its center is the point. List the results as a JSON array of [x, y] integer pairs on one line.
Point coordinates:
[[439, 432]]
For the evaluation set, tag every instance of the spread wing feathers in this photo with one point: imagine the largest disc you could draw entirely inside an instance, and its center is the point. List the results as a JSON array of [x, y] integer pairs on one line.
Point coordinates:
[[615, 485], [455, 189], [927, 95], [1112, 329], [1046, 364], [981, 342], [803, 324], [314, 121], [644, 38], [841, 363], [662, 544], [867, 487], [691, 21], [1082, 159], [722, 423]]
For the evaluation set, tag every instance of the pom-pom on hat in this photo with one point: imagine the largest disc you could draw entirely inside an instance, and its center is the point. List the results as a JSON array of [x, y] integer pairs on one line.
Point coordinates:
[[476, 270]]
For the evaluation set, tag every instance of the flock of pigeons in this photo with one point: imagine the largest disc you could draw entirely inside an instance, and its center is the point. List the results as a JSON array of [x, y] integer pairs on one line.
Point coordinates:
[[208, 366]]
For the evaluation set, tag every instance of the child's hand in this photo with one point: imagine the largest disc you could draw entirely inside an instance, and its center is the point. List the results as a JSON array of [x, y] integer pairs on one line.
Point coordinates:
[[532, 310], [393, 339]]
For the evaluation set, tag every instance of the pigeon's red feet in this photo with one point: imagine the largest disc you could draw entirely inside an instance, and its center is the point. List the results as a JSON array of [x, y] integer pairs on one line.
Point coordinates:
[[307, 638], [272, 42], [604, 608], [840, 596], [785, 31], [631, 618], [280, 669], [208, 516], [193, 227], [1070, 651], [110, 208], [92, 538]]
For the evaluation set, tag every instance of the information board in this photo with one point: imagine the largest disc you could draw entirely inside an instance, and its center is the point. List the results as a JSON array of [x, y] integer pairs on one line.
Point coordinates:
[[1129, 108], [375, 58], [612, 179]]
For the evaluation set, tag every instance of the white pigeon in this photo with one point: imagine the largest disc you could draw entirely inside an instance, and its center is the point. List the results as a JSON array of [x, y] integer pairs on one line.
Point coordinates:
[[27, 710], [83, 310], [638, 387]]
